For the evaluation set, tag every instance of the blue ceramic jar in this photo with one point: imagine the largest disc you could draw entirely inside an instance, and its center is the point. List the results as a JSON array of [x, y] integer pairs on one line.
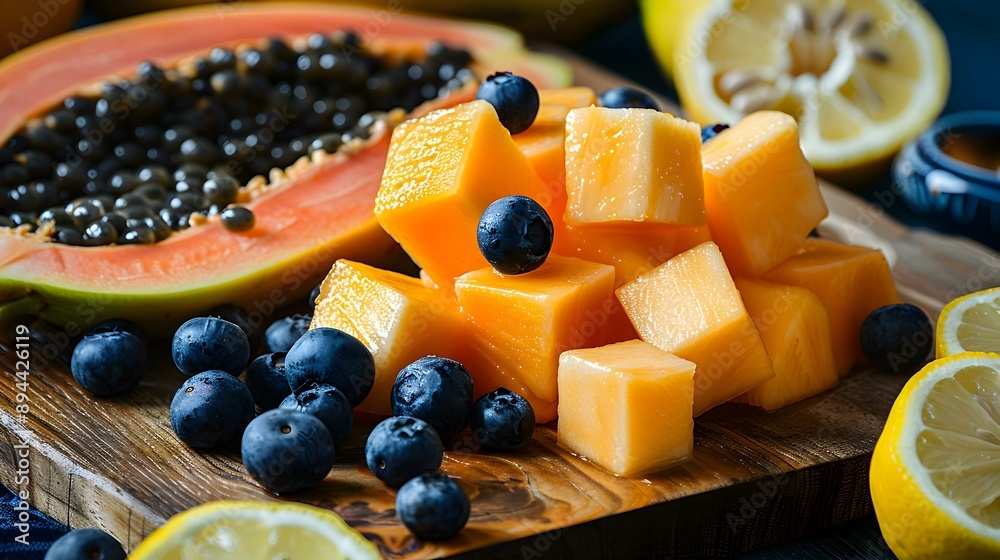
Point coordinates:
[[953, 193]]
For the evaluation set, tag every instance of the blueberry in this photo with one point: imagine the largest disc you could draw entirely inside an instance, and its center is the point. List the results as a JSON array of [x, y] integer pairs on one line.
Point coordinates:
[[282, 334], [515, 234], [206, 343], [238, 316], [333, 357], [211, 409], [109, 363], [711, 131], [122, 325], [86, 544], [627, 98], [287, 450], [402, 447], [432, 506], [514, 98], [266, 380], [327, 403], [502, 420], [314, 295], [897, 338], [437, 391]]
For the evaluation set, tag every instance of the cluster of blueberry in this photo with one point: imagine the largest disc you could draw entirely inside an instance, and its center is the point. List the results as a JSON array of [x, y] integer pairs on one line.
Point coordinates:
[[432, 402], [306, 387]]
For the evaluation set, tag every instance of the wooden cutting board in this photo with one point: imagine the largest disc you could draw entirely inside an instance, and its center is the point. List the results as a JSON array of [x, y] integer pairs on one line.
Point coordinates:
[[756, 478]]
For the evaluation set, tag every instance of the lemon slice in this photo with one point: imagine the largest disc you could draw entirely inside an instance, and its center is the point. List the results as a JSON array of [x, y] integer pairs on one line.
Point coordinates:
[[970, 324], [935, 480], [249, 530], [860, 76]]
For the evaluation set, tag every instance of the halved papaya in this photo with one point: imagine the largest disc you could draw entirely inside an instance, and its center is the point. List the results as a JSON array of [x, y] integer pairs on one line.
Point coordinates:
[[306, 214]]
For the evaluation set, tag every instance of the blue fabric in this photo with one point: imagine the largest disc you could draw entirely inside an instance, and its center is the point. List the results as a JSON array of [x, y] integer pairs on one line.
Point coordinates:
[[969, 25], [41, 530]]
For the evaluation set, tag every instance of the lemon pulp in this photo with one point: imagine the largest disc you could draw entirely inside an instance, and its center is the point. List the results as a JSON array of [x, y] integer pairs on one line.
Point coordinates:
[[959, 444], [253, 530], [980, 327], [860, 76]]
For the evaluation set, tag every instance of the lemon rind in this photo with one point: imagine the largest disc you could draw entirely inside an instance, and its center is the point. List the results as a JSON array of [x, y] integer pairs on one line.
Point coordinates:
[[950, 319], [179, 528]]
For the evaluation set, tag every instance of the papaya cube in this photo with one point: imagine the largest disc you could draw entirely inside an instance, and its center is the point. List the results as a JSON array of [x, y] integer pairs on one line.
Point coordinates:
[[850, 281], [555, 104], [397, 317], [689, 306], [523, 322], [626, 407], [761, 194], [544, 146], [687, 238], [489, 374], [632, 165], [441, 173], [633, 248], [795, 329], [544, 143], [545, 149]]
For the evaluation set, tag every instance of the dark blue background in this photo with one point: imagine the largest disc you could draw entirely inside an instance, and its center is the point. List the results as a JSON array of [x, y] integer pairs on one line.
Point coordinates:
[[972, 28]]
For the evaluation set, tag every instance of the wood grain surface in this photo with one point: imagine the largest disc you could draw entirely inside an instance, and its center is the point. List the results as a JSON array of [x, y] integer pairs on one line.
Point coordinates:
[[756, 478]]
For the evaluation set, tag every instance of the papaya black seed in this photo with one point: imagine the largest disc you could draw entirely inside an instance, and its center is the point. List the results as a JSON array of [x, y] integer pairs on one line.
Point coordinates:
[[238, 218], [86, 213], [153, 173], [15, 173], [171, 217], [160, 228], [221, 189], [61, 120], [116, 220], [68, 236], [137, 234], [122, 182], [136, 212], [70, 177], [46, 193], [129, 155], [130, 200], [100, 233], [78, 104], [57, 216], [151, 191]]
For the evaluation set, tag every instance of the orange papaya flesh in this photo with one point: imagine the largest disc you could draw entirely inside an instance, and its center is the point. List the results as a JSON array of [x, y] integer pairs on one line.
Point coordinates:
[[544, 143], [633, 248], [318, 210]]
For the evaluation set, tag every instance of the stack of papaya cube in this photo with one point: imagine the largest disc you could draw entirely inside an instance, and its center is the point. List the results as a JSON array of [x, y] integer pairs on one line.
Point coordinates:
[[682, 276]]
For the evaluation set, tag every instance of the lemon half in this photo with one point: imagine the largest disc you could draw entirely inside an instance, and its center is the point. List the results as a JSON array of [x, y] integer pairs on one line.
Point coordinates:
[[970, 324], [860, 76], [935, 480], [251, 530]]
